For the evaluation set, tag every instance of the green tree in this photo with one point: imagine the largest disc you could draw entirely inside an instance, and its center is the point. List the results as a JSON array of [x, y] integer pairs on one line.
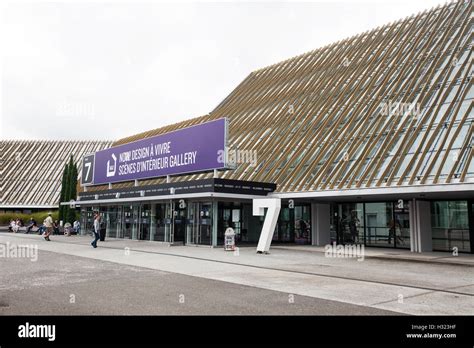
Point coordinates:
[[72, 189], [66, 192], [62, 195]]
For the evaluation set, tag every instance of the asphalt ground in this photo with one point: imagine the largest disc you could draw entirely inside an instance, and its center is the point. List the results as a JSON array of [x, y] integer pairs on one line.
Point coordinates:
[[59, 284], [242, 282]]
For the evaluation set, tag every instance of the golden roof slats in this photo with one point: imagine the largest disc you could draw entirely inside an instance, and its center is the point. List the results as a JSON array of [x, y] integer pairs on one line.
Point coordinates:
[[31, 171], [317, 120]]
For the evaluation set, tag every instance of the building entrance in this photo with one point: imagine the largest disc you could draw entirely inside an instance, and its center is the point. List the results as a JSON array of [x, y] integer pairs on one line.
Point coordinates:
[[179, 222], [130, 222], [199, 223]]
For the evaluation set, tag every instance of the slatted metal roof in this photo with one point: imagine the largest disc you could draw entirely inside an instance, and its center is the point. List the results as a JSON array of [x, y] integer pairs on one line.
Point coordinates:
[[386, 108], [31, 171]]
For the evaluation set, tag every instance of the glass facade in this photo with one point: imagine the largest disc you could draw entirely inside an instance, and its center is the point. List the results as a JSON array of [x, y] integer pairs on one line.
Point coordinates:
[[231, 214], [193, 222], [112, 218], [87, 220], [380, 224], [285, 231], [294, 224], [385, 224], [450, 225], [178, 231], [302, 221], [160, 222], [172, 222], [199, 223], [350, 223]]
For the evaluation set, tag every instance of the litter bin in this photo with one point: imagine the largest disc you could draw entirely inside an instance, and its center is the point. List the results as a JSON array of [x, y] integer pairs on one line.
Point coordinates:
[[102, 234], [229, 239]]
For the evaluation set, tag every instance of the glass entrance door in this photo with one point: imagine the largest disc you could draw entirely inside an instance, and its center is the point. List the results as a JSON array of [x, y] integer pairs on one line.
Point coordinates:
[[192, 236], [87, 223], [285, 231], [130, 222], [161, 222], [302, 228], [145, 221], [199, 223], [111, 217], [179, 222], [205, 223]]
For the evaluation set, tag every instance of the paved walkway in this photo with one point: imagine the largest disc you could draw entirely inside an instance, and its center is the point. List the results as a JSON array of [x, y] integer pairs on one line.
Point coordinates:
[[379, 281], [109, 288], [397, 254]]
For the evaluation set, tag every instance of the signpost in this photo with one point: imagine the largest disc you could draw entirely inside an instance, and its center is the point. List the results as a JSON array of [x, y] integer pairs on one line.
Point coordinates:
[[229, 239], [188, 150]]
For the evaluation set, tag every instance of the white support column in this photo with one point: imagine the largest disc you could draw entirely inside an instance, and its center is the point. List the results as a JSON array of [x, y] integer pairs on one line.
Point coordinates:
[[420, 227], [423, 210], [413, 234], [274, 206], [320, 224]]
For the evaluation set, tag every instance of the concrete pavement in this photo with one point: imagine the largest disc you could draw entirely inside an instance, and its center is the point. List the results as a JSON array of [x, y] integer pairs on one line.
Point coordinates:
[[440, 257], [60, 284], [400, 286]]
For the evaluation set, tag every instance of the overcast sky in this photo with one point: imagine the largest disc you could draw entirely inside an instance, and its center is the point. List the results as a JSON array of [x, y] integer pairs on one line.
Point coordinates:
[[105, 70]]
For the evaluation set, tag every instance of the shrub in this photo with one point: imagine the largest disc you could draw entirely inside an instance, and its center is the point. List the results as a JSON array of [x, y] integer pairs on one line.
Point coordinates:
[[39, 217]]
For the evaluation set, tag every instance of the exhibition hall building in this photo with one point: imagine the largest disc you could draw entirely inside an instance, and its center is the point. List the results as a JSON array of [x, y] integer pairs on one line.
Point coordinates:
[[368, 140]]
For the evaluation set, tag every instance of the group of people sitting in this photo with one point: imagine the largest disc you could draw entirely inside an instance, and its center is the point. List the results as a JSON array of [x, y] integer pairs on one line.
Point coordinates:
[[17, 225]]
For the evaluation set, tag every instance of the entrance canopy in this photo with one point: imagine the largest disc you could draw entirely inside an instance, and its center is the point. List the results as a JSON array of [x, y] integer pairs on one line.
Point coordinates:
[[214, 187]]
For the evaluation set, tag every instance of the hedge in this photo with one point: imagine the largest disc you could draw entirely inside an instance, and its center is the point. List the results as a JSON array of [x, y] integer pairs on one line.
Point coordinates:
[[39, 217]]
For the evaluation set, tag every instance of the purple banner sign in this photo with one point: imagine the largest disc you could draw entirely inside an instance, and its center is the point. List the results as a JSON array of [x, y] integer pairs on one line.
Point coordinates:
[[188, 150]]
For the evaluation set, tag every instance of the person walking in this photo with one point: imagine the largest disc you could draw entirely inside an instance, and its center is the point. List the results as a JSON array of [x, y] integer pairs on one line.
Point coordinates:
[[48, 223], [96, 229]]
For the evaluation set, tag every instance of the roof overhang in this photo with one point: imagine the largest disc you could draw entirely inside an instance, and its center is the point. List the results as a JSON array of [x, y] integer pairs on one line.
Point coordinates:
[[206, 188], [438, 191], [207, 195], [27, 206]]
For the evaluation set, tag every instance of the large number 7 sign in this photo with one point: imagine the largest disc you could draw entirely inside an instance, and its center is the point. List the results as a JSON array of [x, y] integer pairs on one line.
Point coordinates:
[[87, 176], [273, 205]]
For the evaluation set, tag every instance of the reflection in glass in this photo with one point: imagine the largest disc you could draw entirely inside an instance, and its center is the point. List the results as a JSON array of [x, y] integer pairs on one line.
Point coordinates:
[[450, 225], [381, 225], [402, 224], [159, 217], [145, 217], [302, 224], [110, 215], [350, 223]]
